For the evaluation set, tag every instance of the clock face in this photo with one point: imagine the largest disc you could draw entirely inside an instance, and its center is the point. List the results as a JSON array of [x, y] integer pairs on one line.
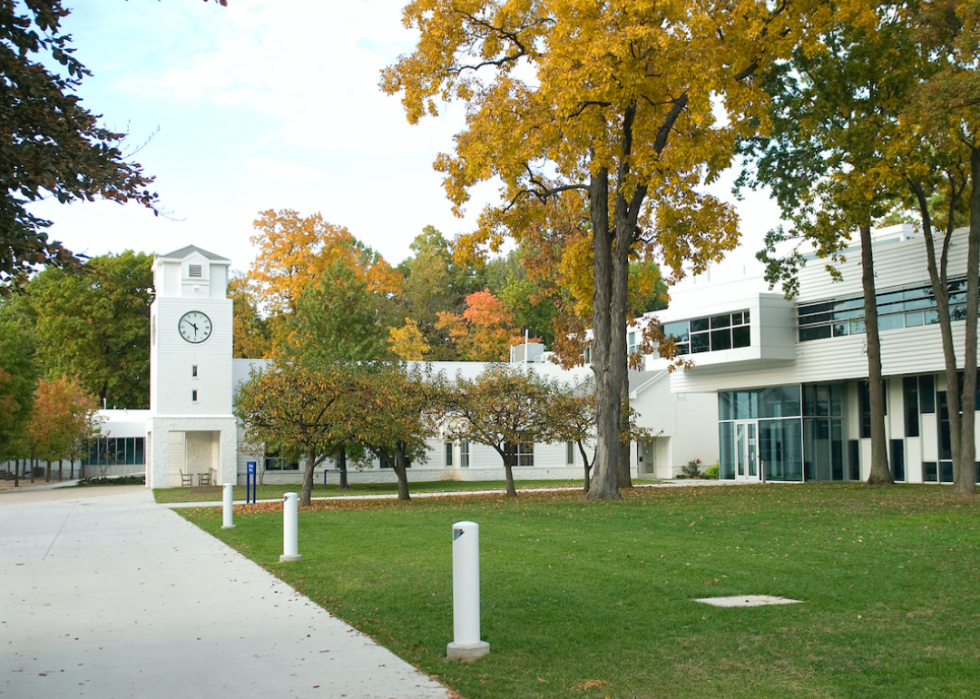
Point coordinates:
[[194, 327]]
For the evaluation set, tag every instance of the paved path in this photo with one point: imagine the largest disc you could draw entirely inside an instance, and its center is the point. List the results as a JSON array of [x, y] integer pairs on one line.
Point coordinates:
[[105, 594]]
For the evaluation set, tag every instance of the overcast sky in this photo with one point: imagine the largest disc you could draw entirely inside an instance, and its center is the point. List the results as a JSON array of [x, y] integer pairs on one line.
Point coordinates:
[[266, 105]]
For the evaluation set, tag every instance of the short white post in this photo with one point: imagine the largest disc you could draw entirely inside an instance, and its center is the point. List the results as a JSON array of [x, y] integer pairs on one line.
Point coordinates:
[[290, 528], [466, 643], [227, 509]]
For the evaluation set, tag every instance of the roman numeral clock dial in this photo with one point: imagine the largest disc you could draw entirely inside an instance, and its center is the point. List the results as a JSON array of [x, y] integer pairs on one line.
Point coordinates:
[[195, 327]]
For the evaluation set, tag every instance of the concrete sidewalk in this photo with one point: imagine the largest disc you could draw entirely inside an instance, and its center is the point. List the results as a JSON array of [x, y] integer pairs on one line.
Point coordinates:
[[111, 596]]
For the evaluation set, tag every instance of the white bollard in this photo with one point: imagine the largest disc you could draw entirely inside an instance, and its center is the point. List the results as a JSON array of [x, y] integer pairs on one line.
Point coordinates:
[[466, 643], [290, 528], [227, 511]]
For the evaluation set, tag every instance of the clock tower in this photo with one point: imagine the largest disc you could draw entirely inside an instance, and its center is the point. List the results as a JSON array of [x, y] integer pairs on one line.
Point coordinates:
[[191, 430]]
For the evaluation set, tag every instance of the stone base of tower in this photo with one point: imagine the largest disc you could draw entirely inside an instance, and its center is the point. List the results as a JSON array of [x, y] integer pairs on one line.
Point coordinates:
[[188, 445]]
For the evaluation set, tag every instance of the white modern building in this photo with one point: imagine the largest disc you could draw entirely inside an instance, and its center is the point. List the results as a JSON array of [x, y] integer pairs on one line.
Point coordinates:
[[790, 377], [190, 435]]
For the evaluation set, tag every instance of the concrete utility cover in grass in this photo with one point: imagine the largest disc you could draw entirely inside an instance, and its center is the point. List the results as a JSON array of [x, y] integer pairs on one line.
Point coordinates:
[[747, 601]]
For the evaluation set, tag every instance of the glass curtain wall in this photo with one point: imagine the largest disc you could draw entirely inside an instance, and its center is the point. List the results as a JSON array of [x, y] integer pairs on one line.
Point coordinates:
[[778, 412], [823, 432]]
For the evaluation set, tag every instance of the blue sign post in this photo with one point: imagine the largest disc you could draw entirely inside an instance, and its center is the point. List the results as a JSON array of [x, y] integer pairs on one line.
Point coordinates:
[[251, 484]]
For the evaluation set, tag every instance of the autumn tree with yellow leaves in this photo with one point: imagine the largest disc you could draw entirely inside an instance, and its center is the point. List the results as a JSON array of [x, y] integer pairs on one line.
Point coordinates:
[[295, 251], [618, 101]]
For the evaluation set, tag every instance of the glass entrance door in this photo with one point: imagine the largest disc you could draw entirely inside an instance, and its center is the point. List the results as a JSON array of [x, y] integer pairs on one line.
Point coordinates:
[[747, 451]]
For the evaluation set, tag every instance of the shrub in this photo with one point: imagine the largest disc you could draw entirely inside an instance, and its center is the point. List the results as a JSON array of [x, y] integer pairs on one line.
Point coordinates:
[[693, 469], [711, 472]]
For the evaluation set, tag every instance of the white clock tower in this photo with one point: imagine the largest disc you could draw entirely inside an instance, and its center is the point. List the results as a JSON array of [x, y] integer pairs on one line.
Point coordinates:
[[191, 430]]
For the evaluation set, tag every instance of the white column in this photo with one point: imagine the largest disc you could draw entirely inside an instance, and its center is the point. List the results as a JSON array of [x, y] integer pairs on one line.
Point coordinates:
[[466, 643], [227, 509], [290, 528]]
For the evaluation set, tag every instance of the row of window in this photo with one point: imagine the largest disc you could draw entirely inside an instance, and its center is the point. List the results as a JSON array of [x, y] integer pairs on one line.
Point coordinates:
[[902, 308], [710, 334], [108, 451]]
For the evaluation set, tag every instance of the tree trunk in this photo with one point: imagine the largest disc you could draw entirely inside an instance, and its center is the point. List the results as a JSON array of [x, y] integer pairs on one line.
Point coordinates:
[[16, 473], [625, 479], [880, 473], [586, 464], [61, 473], [964, 469], [47, 471], [307, 491], [605, 476], [940, 290], [33, 465], [342, 465], [508, 457], [402, 472]]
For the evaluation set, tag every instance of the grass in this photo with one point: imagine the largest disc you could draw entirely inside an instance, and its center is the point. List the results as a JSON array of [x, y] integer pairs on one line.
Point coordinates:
[[596, 600], [275, 492]]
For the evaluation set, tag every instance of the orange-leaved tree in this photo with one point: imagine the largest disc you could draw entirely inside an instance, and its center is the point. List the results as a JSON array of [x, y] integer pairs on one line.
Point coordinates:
[[64, 419], [484, 332]]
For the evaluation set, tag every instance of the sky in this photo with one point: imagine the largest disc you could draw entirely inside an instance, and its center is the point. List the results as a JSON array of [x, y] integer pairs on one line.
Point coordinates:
[[268, 105]]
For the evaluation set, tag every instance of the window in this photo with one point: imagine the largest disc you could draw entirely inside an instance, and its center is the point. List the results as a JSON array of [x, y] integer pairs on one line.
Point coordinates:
[[194, 371], [897, 308], [195, 271], [274, 462], [449, 453], [523, 453], [721, 332], [464, 454], [193, 396], [387, 464], [910, 391], [570, 453], [108, 451], [631, 345]]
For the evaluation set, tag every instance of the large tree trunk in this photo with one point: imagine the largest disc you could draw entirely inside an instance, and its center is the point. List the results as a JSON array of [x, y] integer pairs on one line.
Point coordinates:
[[605, 475], [880, 473], [964, 469], [401, 471], [307, 490]]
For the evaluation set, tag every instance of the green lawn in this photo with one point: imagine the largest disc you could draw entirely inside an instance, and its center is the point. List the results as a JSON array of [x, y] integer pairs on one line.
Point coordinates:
[[596, 600], [275, 492]]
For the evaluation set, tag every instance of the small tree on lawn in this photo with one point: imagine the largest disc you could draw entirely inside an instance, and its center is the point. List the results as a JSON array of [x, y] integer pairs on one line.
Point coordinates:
[[502, 408], [573, 419], [399, 410], [64, 419], [304, 411]]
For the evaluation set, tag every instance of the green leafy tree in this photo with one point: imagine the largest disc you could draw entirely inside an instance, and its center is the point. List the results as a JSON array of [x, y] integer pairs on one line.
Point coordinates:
[[502, 408], [94, 324], [339, 319], [944, 112], [50, 145], [434, 283], [400, 409], [18, 380], [301, 412], [834, 115]]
